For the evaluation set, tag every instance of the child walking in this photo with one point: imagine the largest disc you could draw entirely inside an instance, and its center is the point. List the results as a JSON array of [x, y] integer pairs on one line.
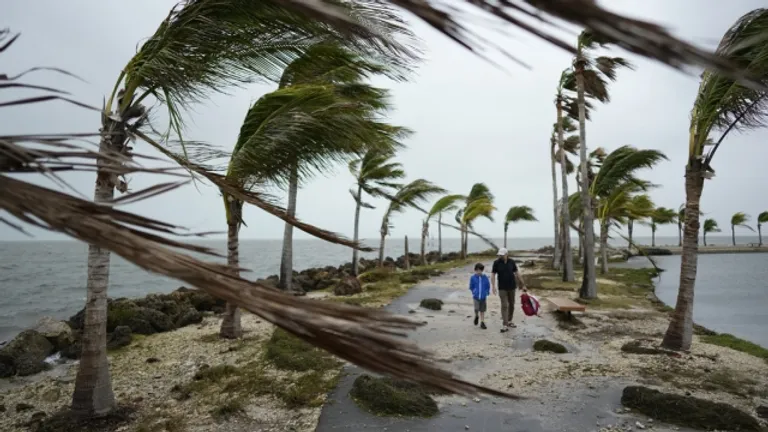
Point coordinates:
[[480, 286]]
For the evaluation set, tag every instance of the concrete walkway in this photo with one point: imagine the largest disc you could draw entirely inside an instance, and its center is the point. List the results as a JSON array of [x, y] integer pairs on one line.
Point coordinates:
[[488, 357]]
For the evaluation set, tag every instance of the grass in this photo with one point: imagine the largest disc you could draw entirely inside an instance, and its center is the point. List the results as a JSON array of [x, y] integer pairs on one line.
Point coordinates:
[[287, 352], [227, 409], [172, 423], [389, 397], [719, 380], [309, 390], [732, 342]]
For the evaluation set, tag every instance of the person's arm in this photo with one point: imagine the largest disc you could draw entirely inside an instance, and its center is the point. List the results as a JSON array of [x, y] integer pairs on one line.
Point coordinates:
[[519, 277], [493, 278]]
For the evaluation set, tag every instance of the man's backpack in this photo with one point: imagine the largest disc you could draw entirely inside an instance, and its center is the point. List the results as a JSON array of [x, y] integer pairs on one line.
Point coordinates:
[[530, 304]]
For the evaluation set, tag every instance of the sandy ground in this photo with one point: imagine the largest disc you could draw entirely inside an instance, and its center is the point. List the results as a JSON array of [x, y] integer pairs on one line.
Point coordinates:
[[577, 391]]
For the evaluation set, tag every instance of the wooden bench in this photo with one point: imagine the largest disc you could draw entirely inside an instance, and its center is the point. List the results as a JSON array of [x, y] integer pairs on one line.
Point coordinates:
[[567, 305]]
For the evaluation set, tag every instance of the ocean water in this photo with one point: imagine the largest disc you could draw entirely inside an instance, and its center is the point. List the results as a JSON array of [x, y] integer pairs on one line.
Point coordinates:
[[48, 278], [731, 294]]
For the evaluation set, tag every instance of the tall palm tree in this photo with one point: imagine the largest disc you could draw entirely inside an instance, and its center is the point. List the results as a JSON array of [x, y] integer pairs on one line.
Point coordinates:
[[409, 196], [614, 187], [661, 216], [680, 223], [564, 106], [517, 214], [448, 203], [639, 209], [570, 147], [324, 63], [590, 75], [377, 175], [479, 203], [739, 219], [710, 226], [200, 48], [314, 122], [722, 105], [761, 219]]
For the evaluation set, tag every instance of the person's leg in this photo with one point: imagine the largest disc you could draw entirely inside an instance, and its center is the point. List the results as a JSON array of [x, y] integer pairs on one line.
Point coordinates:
[[477, 308], [483, 307], [511, 297], [504, 308]]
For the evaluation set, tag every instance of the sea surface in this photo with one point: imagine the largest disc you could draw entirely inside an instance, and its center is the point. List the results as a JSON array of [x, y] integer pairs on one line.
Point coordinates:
[[731, 293], [39, 278]]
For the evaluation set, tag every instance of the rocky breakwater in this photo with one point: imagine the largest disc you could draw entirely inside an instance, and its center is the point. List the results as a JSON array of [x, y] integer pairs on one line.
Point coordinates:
[[26, 354]]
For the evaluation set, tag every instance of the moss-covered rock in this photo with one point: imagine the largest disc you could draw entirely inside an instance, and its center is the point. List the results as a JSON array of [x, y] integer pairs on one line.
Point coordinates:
[[24, 355], [431, 303], [687, 411], [389, 397], [348, 286], [122, 336], [376, 275], [410, 279], [549, 346]]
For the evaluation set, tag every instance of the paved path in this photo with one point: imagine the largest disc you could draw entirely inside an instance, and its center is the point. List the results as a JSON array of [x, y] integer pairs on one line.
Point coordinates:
[[584, 404]]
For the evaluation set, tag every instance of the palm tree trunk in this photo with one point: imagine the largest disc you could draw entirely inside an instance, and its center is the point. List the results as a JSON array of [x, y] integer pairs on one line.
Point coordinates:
[[424, 232], [603, 248], [588, 284], [679, 234], [462, 252], [286, 261], [733, 234], [759, 236], [630, 227], [230, 322], [680, 331], [93, 395], [381, 248], [505, 237], [407, 257], [440, 236], [555, 206], [705, 238], [358, 204], [653, 236], [568, 275]]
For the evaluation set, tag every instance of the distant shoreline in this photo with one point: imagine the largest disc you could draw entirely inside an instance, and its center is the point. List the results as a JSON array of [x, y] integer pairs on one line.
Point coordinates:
[[718, 249]]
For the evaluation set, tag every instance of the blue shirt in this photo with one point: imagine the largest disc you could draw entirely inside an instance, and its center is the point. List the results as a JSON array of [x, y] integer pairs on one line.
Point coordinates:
[[480, 286]]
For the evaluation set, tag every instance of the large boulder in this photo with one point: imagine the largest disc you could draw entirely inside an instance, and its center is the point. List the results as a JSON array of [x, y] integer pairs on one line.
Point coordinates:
[[141, 320], [25, 354], [348, 286], [122, 336], [58, 333], [200, 300]]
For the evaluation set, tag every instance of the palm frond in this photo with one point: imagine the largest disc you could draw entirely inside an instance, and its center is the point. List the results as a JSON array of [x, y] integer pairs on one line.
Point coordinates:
[[480, 207], [640, 207], [519, 214], [621, 165], [762, 217], [479, 191], [445, 204], [723, 103], [710, 225], [740, 219], [412, 195], [664, 216]]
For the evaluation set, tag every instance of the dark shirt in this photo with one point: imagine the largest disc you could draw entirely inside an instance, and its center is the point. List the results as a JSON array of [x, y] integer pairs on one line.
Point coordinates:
[[506, 273]]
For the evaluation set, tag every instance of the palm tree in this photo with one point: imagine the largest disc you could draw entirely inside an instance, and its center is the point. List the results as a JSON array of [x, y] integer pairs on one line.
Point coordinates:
[[615, 187], [325, 63], [445, 204], [680, 223], [590, 74], [761, 219], [661, 216], [710, 225], [722, 105], [377, 175], [639, 208], [517, 214], [410, 195], [479, 203], [564, 106], [739, 219]]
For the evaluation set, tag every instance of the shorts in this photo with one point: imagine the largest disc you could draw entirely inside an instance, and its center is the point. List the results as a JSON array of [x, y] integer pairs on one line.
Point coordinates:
[[480, 305]]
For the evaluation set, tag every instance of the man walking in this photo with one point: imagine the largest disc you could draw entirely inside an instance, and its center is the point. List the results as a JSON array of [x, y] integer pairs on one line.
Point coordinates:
[[505, 269]]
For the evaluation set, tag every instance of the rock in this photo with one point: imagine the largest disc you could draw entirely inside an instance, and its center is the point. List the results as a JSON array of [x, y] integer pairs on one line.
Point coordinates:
[[73, 350], [200, 300], [390, 397], [687, 411], [188, 317], [549, 346], [152, 360], [528, 264], [21, 407], [431, 303], [25, 354], [51, 395], [348, 286], [58, 333], [762, 412], [639, 425], [122, 336]]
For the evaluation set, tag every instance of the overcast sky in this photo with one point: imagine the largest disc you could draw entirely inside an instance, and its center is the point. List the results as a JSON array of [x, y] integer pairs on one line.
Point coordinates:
[[474, 122]]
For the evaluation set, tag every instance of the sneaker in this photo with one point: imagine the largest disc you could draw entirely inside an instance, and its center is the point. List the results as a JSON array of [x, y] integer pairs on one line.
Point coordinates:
[[482, 326], [476, 319], [512, 325], [504, 329]]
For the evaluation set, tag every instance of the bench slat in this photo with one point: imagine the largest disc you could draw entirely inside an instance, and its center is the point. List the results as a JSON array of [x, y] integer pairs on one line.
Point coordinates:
[[567, 305]]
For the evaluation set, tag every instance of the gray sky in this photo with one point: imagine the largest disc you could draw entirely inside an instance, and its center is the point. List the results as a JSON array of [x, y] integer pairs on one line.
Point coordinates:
[[474, 122]]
